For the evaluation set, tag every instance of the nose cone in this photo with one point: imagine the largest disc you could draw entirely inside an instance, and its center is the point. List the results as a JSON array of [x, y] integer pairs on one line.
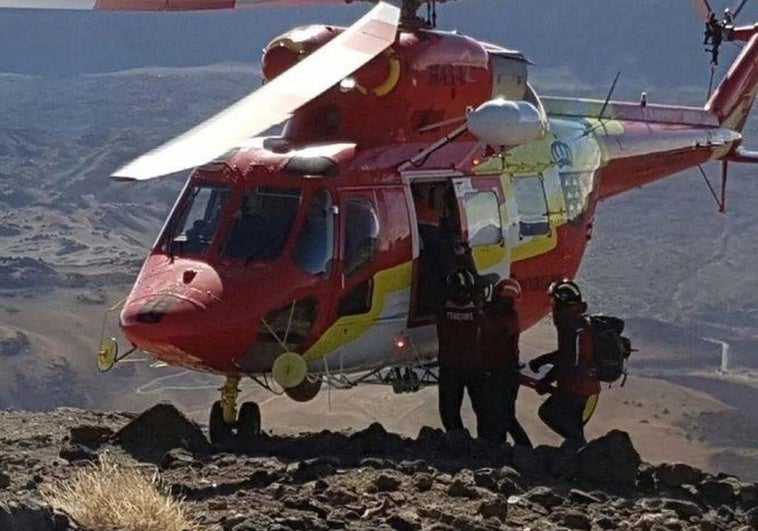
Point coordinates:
[[165, 324], [174, 311]]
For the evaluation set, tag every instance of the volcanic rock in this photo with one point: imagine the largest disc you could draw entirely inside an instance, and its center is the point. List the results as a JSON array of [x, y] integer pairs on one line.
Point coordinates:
[[29, 516], [610, 459], [90, 436], [544, 496], [677, 474], [716, 493], [571, 519], [423, 482], [387, 483], [493, 509], [748, 496], [684, 509], [77, 452], [158, 430]]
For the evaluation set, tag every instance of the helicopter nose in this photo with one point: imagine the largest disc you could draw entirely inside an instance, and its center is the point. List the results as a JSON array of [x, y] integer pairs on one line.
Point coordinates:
[[162, 320]]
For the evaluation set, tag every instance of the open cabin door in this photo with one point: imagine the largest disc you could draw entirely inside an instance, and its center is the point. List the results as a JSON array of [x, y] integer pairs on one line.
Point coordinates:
[[450, 210]]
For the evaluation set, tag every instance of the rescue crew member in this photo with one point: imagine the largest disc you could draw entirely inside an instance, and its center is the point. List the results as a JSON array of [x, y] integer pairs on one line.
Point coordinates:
[[573, 401], [499, 345], [459, 361]]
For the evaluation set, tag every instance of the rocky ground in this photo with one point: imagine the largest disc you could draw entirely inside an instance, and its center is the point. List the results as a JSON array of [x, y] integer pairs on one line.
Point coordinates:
[[370, 479]]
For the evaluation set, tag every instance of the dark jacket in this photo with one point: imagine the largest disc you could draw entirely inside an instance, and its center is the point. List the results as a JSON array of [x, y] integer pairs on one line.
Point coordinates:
[[499, 336], [457, 332], [572, 362]]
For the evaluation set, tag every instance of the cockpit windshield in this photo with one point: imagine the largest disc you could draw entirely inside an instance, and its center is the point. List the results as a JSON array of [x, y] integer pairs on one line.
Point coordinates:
[[262, 224], [193, 225]]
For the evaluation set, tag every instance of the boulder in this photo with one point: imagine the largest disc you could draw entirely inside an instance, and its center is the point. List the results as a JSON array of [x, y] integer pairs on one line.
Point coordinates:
[[571, 519], [493, 509], [609, 459], [677, 474], [160, 429], [387, 483], [90, 436], [404, 521], [29, 516], [683, 509], [748, 496], [544, 496], [5, 480], [76, 452], [716, 492]]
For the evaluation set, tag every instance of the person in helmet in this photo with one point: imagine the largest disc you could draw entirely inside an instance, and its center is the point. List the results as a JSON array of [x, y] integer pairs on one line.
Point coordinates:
[[575, 395], [499, 345], [460, 365]]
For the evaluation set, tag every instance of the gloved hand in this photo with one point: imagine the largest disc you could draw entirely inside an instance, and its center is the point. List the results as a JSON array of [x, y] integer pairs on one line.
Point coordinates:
[[543, 387], [535, 365]]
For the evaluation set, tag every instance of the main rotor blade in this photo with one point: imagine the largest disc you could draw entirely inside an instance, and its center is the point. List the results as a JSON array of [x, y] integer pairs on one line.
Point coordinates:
[[703, 9], [157, 5], [275, 101]]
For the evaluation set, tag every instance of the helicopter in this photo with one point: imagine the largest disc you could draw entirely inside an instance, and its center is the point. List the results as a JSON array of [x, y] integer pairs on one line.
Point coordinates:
[[314, 256]]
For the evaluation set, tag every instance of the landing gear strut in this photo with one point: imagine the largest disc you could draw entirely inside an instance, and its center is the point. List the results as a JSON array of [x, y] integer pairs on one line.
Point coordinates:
[[226, 424]]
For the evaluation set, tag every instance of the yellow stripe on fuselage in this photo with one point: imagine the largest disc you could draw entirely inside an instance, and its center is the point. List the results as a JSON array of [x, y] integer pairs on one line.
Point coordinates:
[[347, 329]]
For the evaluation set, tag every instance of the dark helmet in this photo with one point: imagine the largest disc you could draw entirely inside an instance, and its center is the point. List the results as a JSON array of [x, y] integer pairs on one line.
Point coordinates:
[[565, 291], [461, 281]]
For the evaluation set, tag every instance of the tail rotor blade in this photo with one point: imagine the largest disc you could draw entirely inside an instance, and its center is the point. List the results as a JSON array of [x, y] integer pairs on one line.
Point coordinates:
[[703, 9], [737, 10], [275, 101]]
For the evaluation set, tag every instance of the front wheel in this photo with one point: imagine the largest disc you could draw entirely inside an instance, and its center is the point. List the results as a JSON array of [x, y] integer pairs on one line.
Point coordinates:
[[220, 432], [249, 421]]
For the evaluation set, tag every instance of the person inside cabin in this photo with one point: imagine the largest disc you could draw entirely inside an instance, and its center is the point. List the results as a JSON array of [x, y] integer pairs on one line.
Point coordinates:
[[574, 398]]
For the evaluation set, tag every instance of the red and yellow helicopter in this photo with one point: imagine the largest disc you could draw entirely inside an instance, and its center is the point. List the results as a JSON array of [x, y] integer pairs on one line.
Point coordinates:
[[315, 254]]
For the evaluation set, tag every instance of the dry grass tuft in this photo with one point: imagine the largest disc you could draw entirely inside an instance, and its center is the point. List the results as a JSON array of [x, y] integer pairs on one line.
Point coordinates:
[[110, 496]]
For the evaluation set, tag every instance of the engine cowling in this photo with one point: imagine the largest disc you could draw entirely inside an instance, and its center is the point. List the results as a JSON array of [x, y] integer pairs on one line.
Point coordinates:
[[502, 122]]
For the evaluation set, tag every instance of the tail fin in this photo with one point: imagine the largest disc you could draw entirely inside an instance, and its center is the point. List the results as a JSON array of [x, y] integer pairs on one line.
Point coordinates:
[[734, 97]]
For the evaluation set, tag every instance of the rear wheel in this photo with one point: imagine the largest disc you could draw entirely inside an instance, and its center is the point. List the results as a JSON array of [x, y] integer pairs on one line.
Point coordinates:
[[305, 391], [249, 421], [220, 432]]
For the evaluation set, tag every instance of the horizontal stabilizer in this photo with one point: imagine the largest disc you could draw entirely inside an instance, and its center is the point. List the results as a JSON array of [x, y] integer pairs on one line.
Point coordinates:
[[743, 155]]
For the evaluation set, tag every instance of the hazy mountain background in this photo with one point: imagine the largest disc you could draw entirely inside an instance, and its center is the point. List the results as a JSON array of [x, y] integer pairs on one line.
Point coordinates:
[[82, 93]]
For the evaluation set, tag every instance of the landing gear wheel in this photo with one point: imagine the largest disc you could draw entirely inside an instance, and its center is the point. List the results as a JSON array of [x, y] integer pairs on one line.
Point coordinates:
[[249, 421], [219, 430], [305, 391]]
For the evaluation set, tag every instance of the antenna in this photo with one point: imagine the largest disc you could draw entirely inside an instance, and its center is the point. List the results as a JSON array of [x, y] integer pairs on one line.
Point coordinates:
[[608, 97]]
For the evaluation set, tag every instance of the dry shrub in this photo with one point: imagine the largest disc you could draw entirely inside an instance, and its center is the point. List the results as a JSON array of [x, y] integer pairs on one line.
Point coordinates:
[[110, 496]]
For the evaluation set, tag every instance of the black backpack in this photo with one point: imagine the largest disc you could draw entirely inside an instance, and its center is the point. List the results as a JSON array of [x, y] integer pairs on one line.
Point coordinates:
[[610, 348]]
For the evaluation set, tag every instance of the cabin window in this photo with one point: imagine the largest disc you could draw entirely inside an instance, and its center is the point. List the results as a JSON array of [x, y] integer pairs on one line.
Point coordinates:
[[358, 300], [361, 234], [262, 224], [314, 249], [194, 224], [532, 206], [483, 219]]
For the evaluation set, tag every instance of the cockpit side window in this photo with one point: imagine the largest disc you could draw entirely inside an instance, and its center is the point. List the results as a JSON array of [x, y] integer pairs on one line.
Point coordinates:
[[262, 224], [314, 249], [361, 234], [195, 222]]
